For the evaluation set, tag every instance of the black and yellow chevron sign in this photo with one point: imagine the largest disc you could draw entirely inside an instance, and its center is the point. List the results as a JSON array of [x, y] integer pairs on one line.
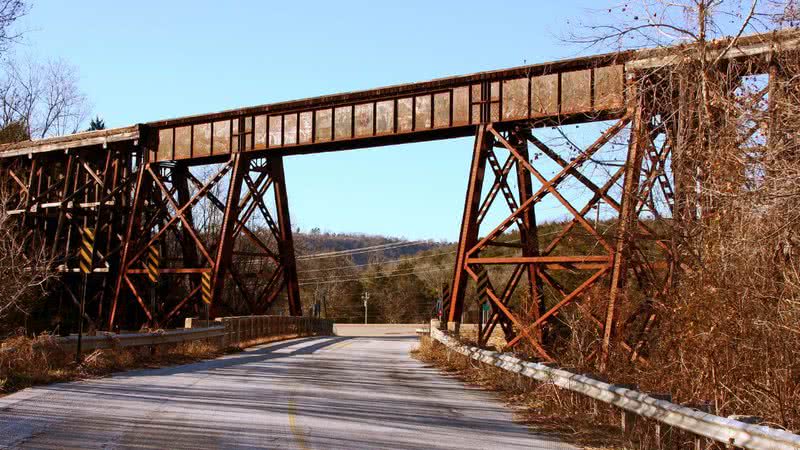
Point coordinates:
[[153, 262], [206, 287], [87, 250], [483, 282]]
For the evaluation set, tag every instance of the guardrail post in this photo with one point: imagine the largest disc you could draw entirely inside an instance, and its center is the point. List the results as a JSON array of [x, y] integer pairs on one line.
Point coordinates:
[[706, 407], [234, 331], [257, 327], [628, 419], [228, 332], [663, 433]]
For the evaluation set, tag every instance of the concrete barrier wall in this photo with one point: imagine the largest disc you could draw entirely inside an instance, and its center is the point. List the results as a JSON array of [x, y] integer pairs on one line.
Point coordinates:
[[249, 330]]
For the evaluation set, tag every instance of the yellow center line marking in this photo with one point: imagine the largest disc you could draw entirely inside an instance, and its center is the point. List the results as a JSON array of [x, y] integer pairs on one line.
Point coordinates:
[[291, 409], [297, 431], [340, 345], [344, 344]]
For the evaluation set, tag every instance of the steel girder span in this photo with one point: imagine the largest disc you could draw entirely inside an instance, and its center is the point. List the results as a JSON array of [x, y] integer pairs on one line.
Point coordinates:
[[190, 215]]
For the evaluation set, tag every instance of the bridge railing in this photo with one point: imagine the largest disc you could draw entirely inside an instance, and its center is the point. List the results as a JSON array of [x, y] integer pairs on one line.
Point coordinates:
[[731, 432], [110, 340], [227, 331], [251, 330]]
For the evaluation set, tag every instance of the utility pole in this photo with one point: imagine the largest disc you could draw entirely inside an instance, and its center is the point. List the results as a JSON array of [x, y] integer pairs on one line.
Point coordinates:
[[597, 214], [365, 296]]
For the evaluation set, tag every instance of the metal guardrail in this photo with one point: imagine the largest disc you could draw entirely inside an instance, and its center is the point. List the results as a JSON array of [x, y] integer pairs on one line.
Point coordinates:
[[104, 341], [230, 331], [728, 431]]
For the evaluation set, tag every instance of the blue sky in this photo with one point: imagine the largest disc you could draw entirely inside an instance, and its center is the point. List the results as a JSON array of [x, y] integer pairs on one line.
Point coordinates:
[[158, 59]]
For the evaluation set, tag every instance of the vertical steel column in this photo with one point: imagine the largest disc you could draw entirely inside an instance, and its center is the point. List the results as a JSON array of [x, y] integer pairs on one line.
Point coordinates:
[[224, 256], [62, 209], [133, 220], [529, 236], [188, 246], [108, 183], [286, 242], [625, 224], [469, 225]]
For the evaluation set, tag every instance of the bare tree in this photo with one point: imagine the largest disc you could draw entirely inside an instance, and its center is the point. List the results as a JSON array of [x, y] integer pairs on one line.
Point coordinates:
[[656, 23], [25, 269], [727, 331], [43, 96], [10, 11]]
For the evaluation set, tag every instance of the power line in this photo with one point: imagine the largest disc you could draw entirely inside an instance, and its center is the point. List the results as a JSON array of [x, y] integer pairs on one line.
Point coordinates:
[[406, 272], [372, 248], [400, 260], [379, 263], [345, 280]]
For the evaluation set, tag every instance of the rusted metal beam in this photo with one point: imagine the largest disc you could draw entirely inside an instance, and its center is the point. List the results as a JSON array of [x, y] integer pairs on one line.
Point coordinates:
[[627, 217], [133, 221], [469, 225], [529, 236], [188, 247], [73, 141], [225, 244], [538, 259], [285, 241]]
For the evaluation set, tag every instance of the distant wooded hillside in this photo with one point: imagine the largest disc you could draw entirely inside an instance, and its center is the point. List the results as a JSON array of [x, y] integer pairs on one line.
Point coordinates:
[[317, 242]]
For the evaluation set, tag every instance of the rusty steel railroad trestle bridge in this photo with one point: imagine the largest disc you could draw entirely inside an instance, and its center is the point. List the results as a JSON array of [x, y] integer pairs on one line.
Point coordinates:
[[231, 229]]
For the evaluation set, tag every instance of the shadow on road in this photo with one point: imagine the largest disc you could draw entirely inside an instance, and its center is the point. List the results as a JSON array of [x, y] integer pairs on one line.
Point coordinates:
[[330, 392]]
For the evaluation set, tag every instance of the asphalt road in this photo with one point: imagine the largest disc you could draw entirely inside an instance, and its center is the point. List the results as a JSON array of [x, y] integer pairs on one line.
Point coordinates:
[[358, 390]]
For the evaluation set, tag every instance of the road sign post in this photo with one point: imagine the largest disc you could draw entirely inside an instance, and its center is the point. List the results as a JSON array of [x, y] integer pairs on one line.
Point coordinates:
[[206, 292], [153, 263], [86, 258]]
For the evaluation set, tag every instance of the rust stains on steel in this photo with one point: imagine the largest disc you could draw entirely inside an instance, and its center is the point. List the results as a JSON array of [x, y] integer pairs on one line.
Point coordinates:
[[567, 91], [85, 139]]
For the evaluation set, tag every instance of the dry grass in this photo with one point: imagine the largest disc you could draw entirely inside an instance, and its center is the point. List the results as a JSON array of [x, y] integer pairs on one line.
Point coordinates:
[[42, 361], [265, 340], [545, 408]]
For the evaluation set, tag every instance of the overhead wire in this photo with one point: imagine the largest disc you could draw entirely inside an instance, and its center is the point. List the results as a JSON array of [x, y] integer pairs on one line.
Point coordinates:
[[345, 280], [394, 261], [372, 248], [378, 263]]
